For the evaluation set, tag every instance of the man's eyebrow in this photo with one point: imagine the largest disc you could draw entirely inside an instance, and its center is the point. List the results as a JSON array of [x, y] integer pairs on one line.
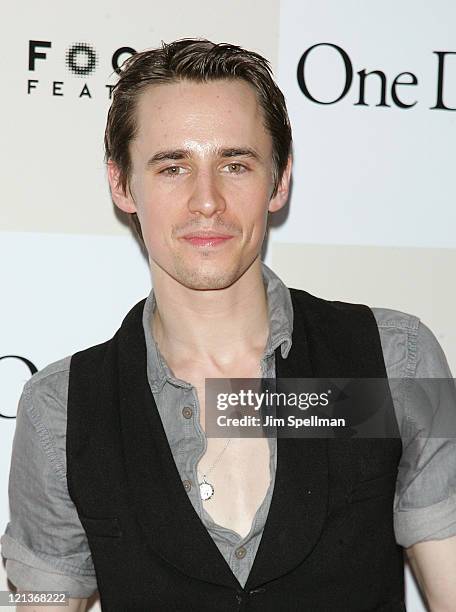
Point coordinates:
[[177, 154], [239, 152], [173, 154]]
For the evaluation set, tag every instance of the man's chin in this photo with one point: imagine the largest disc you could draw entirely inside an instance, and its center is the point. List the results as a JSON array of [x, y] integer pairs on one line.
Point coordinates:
[[208, 276], [206, 282]]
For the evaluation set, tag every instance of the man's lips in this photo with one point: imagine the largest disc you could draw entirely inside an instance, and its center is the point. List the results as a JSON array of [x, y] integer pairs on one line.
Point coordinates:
[[206, 239]]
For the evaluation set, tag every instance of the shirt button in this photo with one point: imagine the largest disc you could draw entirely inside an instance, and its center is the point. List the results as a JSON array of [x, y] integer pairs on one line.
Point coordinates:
[[187, 485], [240, 552], [187, 412]]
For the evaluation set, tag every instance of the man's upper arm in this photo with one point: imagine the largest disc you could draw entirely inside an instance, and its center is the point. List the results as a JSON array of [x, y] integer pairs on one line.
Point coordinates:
[[44, 544], [425, 500]]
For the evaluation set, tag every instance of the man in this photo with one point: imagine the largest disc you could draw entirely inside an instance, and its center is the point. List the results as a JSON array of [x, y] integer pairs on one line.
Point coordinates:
[[114, 484]]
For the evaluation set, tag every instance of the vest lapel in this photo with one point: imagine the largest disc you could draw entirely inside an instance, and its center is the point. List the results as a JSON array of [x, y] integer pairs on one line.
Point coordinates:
[[167, 518], [299, 502]]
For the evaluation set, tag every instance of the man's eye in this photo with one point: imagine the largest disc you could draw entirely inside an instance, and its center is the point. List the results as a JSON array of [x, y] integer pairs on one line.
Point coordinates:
[[235, 168], [171, 171]]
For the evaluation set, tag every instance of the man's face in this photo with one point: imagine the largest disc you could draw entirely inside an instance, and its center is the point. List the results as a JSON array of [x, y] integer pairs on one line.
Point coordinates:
[[201, 180]]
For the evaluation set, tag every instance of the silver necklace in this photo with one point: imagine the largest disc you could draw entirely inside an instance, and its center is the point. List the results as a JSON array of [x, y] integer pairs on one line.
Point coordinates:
[[206, 488]]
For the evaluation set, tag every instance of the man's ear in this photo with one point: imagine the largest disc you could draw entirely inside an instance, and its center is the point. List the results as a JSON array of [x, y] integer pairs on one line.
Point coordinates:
[[281, 197], [122, 200]]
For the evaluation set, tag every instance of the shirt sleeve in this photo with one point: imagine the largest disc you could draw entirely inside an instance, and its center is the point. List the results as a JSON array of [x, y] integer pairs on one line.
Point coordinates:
[[425, 499], [44, 544]]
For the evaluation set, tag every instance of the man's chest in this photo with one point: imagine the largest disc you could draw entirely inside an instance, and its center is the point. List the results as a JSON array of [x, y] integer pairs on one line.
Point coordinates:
[[237, 469]]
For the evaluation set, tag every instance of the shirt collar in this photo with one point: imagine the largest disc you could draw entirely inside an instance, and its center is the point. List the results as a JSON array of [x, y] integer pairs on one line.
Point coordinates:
[[280, 311]]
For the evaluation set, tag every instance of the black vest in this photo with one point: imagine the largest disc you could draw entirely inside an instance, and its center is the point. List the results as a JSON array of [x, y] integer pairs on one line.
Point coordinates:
[[330, 550]]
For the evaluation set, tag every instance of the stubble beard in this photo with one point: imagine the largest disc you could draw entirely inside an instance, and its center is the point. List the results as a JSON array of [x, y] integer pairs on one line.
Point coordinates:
[[205, 277]]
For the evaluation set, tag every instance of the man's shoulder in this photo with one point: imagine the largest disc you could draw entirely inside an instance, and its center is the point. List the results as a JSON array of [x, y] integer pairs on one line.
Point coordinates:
[[44, 397], [53, 379], [386, 318], [398, 333], [391, 319], [41, 413], [54, 374]]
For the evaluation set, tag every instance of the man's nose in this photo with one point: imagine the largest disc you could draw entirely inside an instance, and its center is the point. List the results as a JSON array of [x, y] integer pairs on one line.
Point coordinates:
[[207, 197]]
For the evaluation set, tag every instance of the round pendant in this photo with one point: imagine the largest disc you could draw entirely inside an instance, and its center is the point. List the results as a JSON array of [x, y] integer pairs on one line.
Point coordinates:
[[206, 490]]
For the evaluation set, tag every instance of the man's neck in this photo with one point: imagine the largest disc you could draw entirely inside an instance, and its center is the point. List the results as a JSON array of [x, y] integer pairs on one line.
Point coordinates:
[[214, 327]]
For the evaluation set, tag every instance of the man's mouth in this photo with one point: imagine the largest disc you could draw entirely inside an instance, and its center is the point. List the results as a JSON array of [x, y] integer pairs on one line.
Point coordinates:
[[206, 239]]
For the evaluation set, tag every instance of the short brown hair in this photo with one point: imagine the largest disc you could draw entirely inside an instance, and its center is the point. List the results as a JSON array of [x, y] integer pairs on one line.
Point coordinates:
[[197, 60]]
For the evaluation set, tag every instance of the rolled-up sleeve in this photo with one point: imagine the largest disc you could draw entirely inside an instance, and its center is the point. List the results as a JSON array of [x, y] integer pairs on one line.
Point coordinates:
[[425, 500], [44, 544]]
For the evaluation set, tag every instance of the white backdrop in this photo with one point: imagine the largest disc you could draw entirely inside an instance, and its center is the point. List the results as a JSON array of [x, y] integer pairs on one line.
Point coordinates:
[[370, 218], [369, 174]]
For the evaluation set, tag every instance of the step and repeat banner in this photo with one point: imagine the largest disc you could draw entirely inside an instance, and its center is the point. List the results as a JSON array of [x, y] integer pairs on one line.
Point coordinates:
[[371, 91]]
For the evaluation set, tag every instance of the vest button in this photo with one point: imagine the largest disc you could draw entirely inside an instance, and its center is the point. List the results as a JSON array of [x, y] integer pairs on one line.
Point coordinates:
[[187, 412], [187, 485], [240, 552]]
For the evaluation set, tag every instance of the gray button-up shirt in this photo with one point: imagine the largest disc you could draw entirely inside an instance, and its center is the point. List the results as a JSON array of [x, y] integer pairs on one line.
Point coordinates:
[[45, 544]]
